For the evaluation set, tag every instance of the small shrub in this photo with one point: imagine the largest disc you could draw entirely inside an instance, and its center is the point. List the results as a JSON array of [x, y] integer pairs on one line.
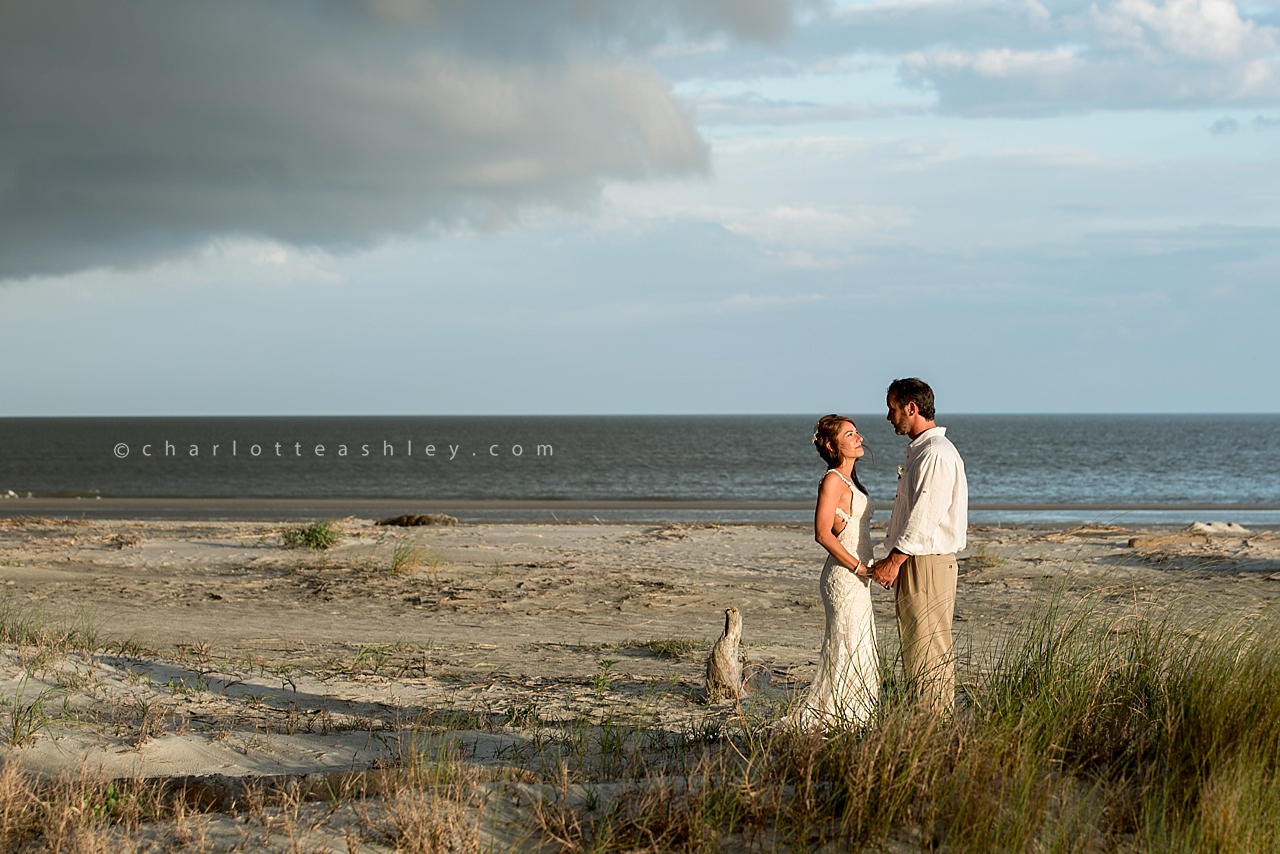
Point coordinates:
[[317, 536], [600, 682]]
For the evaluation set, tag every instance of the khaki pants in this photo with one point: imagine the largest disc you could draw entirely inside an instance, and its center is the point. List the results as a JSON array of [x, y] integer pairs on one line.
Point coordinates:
[[925, 602]]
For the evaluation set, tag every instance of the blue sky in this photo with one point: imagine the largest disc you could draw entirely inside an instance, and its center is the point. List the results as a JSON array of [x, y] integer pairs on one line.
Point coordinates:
[[419, 207]]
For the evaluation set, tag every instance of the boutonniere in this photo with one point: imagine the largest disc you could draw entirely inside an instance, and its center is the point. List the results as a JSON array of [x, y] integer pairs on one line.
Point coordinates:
[[901, 472]]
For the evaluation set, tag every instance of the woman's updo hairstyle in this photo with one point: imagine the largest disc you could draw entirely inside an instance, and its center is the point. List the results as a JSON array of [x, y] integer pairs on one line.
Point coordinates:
[[825, 434]]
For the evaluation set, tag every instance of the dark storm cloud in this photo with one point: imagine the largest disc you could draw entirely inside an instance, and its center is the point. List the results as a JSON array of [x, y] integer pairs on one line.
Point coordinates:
[[133, 130]]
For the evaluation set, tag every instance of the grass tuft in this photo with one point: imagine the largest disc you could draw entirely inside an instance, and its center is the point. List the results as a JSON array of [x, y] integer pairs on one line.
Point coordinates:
[[24, 718], [600, 682], [669, 647], [317, 536], [405, 559]]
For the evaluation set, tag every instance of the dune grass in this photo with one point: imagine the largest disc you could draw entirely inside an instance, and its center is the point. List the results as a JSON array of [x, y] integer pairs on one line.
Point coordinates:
[[31, 627], [318, 536], [406, 558], [1152, 733], [673, 647]]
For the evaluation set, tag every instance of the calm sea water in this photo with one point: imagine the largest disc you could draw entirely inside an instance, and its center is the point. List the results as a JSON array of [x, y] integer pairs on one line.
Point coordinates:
[[1014, 462]]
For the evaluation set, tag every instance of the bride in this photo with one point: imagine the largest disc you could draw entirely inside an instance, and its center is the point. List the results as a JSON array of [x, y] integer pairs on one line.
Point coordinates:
[[847, 683]]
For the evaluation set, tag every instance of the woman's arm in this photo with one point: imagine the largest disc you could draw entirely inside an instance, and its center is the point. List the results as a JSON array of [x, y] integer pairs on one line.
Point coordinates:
[[830, 491]]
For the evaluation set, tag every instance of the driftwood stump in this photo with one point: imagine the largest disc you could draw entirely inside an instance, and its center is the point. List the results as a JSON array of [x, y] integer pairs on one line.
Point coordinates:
[[724, 668], [410, 520]]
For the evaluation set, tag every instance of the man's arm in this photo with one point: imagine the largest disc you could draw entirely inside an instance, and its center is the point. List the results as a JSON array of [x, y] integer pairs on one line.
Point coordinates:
[[930, 498]]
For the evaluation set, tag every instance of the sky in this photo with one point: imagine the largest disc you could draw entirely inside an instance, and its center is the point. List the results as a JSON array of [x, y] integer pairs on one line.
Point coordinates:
[[256, 207]]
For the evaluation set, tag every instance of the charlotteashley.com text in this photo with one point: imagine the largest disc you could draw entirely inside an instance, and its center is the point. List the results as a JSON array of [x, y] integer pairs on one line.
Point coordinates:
[[235, 448]]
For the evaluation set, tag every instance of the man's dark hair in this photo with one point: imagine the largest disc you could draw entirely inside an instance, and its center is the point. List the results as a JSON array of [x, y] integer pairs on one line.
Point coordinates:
[[913, 390]]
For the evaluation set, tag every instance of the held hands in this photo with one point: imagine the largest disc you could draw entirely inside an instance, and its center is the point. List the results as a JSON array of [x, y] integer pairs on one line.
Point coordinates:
[[885, 571], [876, 572]]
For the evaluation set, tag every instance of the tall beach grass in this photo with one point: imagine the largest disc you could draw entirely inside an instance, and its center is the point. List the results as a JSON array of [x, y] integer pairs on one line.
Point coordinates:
[[1151, 734]]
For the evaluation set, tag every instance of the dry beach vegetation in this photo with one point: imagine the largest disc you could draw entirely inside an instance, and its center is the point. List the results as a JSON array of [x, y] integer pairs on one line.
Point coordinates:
[[200, 686]]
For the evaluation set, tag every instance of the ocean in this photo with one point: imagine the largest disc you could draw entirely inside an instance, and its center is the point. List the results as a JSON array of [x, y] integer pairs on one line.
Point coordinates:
[[1125, 469]]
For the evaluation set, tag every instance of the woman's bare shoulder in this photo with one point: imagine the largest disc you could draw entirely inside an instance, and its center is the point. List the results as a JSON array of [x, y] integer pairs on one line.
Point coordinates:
[[834, 486]]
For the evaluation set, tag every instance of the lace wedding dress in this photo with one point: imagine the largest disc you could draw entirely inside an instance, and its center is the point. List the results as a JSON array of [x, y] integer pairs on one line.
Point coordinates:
[[847, 685]]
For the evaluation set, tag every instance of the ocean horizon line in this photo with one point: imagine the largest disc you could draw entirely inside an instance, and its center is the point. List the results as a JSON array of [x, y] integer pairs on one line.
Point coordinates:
[[10, 506], [943, 414]]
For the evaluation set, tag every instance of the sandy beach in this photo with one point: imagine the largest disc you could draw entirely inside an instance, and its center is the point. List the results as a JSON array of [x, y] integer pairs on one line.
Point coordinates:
[[209, 653]]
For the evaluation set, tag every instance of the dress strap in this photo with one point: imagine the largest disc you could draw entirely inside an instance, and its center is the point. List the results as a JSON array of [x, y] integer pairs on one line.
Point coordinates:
[[838, 474]]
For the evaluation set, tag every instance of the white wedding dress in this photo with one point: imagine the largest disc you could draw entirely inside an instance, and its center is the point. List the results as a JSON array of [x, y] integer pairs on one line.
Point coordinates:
[[847, 685]]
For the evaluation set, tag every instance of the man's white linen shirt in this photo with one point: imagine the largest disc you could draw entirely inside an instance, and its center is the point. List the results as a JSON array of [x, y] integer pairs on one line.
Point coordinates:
[[931, 509]]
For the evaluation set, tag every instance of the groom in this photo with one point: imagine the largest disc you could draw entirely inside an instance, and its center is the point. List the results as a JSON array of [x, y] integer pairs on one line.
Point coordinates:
[[928, 527]]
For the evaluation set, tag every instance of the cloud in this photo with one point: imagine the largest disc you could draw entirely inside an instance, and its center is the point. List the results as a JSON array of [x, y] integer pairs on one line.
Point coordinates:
[[1015, 57], [1126, 54], [752, 109], [1228, 125], [805, 236], [1207, 30], [132, 131], [1025, 57], [1085, 207], [744, 303], [827, 228]]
